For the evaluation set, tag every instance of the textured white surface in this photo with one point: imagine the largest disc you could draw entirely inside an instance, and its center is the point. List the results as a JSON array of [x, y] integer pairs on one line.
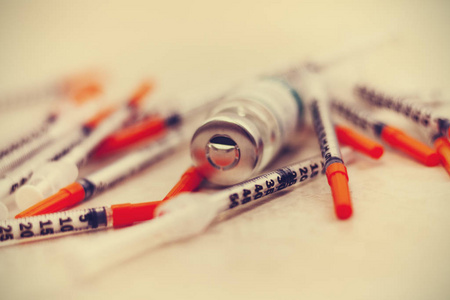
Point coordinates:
[[396, 246]]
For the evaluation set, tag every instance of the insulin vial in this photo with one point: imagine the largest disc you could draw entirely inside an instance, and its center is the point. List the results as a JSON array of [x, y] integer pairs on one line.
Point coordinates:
[[246, 130]]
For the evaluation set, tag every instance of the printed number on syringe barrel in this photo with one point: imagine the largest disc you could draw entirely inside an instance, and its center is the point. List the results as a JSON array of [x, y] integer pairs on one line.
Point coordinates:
[[54, 224], [275, 181], [407, 107]]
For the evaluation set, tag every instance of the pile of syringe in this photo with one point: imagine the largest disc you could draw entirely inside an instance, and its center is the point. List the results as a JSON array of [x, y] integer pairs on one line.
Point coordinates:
[[246, 128]]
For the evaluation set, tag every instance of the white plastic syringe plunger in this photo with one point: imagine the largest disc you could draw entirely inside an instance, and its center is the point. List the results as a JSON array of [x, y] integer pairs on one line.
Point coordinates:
[[45, 182]]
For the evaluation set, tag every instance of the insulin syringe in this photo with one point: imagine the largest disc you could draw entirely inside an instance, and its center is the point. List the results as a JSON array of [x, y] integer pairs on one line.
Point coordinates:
[[156, 124], [314, 91], [92, 185], [69, 118], [51, 177], [12, 180], [409, 108], [75, 221], [28, 137], [78, 91], [396, 138]]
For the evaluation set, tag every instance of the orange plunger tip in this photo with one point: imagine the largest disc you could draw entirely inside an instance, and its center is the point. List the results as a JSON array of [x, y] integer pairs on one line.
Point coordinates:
[[338, 181], [64, 198], [442, 146], [358, 142], [127, 214], [408, 145]]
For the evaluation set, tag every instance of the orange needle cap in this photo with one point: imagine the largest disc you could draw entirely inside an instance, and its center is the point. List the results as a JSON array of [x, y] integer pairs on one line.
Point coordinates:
[[414, 148], [64, 198], [188, 182], [130, 135], [127, 214], [358, 142], [338, 181]]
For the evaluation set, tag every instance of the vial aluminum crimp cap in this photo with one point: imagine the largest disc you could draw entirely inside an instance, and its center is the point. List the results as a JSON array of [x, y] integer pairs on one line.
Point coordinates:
[[227, 150]]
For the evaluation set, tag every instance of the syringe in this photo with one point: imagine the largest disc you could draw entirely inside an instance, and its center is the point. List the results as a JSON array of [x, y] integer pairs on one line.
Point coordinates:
[[92, 185], [51, 177], [409, 108], [156, 124], [389, 134], [312, 89], [75, 221], [12, 180], [29, 136], [77, 91], [69, 120]]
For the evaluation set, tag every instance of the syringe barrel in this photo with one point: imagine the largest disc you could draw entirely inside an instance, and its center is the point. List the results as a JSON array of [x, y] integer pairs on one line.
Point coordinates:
[[246, 130], [54, 225], [132, 163], [405, 106], [355, 115]]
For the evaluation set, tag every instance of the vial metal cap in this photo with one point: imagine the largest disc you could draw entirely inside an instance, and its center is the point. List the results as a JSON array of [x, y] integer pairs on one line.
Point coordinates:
[[226, 150]]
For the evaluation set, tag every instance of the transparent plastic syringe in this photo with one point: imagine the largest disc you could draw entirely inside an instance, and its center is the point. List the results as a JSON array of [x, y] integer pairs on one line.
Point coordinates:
[[11, 181], [407, 107], [393, 136], [68, 121], [95, 183], [55, 175]]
